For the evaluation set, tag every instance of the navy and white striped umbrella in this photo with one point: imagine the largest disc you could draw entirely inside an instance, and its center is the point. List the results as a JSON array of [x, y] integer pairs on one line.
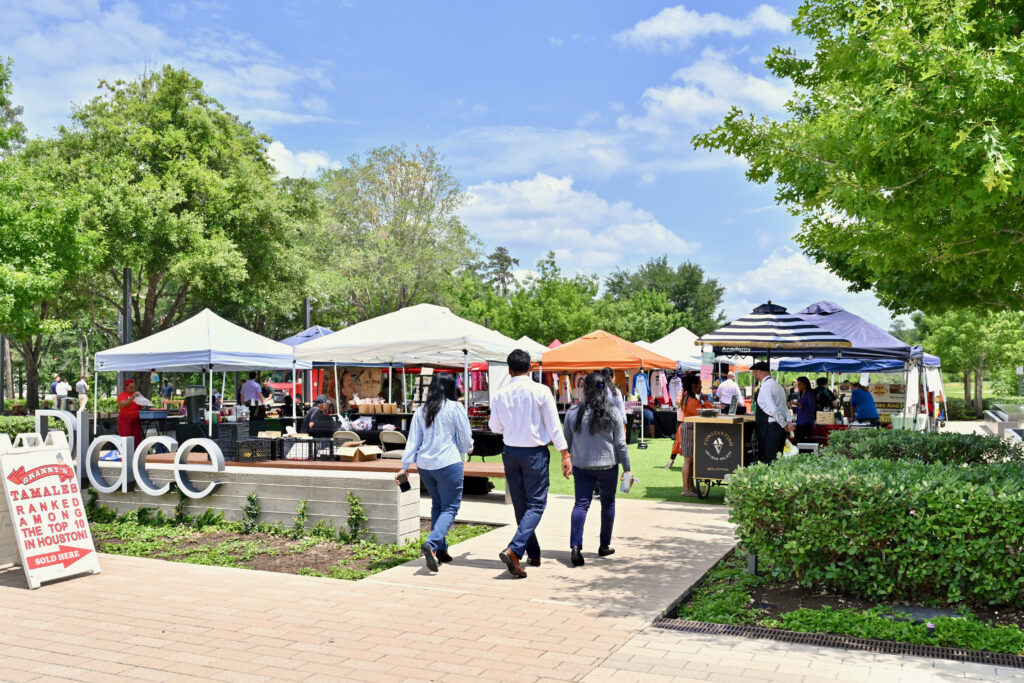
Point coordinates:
[[770, 327]]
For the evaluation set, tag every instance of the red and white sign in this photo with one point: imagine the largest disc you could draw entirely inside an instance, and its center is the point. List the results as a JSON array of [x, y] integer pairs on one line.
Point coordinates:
[[43, 507]]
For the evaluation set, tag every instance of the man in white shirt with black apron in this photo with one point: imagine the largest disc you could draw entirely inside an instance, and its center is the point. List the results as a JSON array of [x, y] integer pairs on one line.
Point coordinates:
[[525, 414], [772, 414]]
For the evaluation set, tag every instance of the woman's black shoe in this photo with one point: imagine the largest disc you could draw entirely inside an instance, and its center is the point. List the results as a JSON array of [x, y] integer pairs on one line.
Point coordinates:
[[443, 556], [577, 556], [605, 551]]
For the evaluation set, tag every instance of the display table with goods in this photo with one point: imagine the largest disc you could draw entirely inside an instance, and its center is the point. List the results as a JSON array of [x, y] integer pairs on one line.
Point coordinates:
[[722, 444]]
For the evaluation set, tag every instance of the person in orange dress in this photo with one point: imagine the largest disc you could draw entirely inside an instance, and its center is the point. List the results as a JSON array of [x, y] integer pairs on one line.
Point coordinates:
[[690, 401], [128, 423]]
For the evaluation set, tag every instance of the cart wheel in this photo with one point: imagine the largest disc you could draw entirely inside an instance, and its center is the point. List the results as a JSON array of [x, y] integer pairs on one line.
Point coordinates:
[[703, 487]]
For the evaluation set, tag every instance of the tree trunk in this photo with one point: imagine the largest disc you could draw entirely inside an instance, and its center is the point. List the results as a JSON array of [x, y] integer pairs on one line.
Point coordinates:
[[979, 402], [31, 379], [9, 379], [967, 391]]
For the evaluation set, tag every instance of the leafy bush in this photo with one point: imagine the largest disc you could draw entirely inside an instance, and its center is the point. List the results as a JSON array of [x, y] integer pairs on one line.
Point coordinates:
[[946, 447], [956, 409], [13, 425], [887, 530]]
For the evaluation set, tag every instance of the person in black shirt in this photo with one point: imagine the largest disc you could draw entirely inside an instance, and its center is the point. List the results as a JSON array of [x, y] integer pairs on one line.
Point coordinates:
[[312, 415], [825, 398]]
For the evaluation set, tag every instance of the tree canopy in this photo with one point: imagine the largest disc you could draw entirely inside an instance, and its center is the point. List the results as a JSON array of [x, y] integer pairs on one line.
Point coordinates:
[[902, 148], [685, 286], [12, 131]]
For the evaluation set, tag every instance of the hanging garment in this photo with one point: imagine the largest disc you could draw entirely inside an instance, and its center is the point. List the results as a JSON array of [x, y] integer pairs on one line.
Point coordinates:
[[578, 380], [565, 394], [478, 380], [656, 384], [642, 387], [675, 385]]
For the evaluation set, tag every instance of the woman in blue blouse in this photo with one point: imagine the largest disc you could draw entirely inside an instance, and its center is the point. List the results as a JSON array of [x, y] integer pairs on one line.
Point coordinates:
[[806, 410], [439, 435]]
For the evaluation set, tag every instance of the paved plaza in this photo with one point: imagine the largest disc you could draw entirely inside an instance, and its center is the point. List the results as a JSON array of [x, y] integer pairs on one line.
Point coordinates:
[[154, 620]]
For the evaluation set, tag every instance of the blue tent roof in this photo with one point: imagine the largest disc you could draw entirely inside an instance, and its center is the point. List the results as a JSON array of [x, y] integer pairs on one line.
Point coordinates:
[[314, 332], [868, 340]]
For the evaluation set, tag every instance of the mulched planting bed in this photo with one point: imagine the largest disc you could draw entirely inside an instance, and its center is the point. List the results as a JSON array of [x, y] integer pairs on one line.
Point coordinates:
[[264, 551]]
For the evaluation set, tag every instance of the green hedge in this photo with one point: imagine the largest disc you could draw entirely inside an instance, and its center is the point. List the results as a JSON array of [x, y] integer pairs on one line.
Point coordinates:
[[12, 426], [945, 447], [887, 530]]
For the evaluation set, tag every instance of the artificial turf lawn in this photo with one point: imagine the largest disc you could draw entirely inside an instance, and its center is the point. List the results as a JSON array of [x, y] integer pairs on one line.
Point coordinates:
[[654, 481]]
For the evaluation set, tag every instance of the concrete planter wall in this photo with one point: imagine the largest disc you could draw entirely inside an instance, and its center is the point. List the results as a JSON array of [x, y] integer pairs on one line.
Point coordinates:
[[394, 516]]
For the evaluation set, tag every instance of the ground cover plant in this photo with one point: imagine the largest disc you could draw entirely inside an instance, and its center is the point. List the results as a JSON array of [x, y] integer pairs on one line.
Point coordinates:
[[320, 550], [729, 595]]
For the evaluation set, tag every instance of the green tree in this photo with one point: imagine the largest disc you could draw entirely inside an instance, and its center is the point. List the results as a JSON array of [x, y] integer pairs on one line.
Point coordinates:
[[902, 147], [46, 257], [499, 270], [552, 306], [393, 237], [974, 342], [647, 315], [12, 131], [183, 194], [691, 293]]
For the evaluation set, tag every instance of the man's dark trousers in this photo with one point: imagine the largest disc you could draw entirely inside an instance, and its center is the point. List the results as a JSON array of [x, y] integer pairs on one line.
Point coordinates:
[[527, 479]]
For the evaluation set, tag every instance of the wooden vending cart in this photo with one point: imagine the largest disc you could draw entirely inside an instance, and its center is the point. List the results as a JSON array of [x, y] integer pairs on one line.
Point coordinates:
[[721, 445]]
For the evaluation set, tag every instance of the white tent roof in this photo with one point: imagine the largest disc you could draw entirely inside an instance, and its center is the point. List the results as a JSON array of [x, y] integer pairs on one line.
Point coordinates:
[[535, 349], [205, 341], [421, 334], [680, 346]]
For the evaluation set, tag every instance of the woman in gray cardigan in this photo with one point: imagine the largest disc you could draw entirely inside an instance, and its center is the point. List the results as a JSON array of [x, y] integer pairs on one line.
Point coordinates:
[[597, 445]]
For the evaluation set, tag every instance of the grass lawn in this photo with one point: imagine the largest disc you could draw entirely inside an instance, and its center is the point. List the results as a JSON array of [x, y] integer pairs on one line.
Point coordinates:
[[654, 482]]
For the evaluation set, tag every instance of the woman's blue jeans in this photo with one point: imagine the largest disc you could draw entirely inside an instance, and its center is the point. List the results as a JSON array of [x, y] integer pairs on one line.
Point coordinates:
[[584, 481], [445, 487]]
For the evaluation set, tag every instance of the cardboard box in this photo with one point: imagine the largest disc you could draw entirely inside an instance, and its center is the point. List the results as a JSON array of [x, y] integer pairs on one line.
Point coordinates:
[[825, 417], [268, 435], [358, 453], [365, 409], [378, 408]]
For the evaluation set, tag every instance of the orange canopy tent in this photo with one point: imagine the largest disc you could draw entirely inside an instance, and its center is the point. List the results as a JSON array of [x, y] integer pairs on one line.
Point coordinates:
[[601, 349]]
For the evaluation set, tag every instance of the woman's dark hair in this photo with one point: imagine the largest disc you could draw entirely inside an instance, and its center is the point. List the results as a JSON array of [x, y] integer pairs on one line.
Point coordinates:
[[689, 382], [595, 400], [442, 387], [805, 382]]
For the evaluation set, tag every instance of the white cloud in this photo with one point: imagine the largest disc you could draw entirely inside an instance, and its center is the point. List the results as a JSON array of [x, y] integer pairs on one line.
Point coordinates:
[[675, 27], [545, 212], [298, 164], [710, 86], [790, 279], [511, 151], [63, 49]]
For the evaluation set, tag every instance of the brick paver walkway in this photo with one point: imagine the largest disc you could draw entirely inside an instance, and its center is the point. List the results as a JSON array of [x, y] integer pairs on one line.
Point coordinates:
[[153, 620]]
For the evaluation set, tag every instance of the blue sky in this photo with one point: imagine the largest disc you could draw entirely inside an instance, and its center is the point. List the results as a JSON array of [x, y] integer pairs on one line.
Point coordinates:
[[568, 123]]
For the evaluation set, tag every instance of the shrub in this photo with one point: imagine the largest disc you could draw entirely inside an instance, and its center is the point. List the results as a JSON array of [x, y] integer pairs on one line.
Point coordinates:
[[956, 409], [946, 447], [887, 530], [12, 426]]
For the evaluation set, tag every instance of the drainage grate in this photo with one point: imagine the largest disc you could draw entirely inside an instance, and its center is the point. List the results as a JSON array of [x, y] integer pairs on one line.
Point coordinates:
[[832, 640]]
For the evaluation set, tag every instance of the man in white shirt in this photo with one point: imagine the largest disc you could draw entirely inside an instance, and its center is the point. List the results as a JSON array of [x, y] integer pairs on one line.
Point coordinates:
[[524, 412], [772, 414], [727, 389], [63, 388], [252, 396]]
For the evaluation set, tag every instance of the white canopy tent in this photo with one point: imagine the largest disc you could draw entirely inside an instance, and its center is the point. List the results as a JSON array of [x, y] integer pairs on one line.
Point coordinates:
[[418, 335], [205, 342], [535, 349], [680, 346]]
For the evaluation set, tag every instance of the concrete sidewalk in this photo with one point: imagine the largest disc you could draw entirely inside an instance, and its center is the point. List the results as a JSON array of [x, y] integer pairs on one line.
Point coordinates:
[[153, 620]]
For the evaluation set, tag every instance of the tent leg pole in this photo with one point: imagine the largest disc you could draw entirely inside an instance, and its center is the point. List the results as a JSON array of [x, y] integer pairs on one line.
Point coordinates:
[[209, 413], [405, 392], [293, 392], [389, 382], [465, 377], [337, 390], [95, 401]]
